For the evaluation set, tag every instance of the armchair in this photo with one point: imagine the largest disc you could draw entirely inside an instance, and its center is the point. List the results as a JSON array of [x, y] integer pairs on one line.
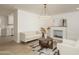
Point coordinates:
[[69, 47]]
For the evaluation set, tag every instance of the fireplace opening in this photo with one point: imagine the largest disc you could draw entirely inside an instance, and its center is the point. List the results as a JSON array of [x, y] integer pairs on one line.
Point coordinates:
[[58, 33]]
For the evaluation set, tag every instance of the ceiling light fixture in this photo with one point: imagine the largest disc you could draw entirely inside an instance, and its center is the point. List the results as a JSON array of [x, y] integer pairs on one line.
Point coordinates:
[[46, 20], [45, 6]]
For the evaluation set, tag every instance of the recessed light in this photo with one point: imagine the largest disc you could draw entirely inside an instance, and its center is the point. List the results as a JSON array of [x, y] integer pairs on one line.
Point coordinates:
[[77, 8]]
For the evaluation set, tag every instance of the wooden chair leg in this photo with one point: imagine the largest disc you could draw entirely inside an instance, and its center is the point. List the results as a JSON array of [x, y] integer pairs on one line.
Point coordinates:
[[58, 52]]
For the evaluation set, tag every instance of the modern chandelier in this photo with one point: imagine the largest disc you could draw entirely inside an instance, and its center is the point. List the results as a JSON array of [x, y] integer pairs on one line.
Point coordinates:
[[46, 19], [45, 10], [45, 7]]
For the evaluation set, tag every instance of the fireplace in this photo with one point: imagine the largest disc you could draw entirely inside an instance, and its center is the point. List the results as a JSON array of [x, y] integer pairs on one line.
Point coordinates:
[[58, 33]]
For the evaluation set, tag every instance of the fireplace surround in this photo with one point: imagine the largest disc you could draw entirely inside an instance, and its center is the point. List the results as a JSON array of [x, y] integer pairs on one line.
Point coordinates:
[[59, 32]]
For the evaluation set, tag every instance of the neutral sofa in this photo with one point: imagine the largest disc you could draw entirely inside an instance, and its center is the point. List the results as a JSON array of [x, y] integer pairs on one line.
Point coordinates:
[[29, 36], [69, 47]]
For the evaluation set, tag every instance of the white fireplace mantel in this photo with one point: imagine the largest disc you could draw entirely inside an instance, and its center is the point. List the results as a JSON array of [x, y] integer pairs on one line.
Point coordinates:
[[64, 30]]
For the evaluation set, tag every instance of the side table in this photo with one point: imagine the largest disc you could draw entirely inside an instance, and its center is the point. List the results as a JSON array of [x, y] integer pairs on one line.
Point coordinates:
[[47, 43]]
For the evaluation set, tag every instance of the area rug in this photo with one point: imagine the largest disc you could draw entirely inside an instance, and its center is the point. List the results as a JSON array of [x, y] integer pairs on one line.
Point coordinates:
[[36, 49], [45, 51]]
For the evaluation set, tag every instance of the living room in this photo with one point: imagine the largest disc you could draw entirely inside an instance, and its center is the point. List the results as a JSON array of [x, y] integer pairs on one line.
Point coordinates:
[[23, 23]]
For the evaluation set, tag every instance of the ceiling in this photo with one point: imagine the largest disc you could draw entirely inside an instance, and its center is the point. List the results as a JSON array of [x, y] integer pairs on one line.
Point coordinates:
[[52, 9]]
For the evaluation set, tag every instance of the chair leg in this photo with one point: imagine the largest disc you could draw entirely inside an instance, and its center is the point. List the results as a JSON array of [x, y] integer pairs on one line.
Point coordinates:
[[58, 52]]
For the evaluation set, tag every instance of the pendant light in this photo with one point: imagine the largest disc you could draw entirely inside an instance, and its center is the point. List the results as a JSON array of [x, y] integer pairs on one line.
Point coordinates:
[[45, 7], [45, 19]]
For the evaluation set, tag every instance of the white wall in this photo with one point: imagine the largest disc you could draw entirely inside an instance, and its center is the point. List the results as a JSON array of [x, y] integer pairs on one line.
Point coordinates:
[[27, 21], [72, 23], [3, 21], [3, 24], [11, 18]]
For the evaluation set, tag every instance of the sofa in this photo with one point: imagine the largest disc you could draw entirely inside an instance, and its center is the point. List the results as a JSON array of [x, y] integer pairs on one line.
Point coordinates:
[[69, 47], [29, 36]]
